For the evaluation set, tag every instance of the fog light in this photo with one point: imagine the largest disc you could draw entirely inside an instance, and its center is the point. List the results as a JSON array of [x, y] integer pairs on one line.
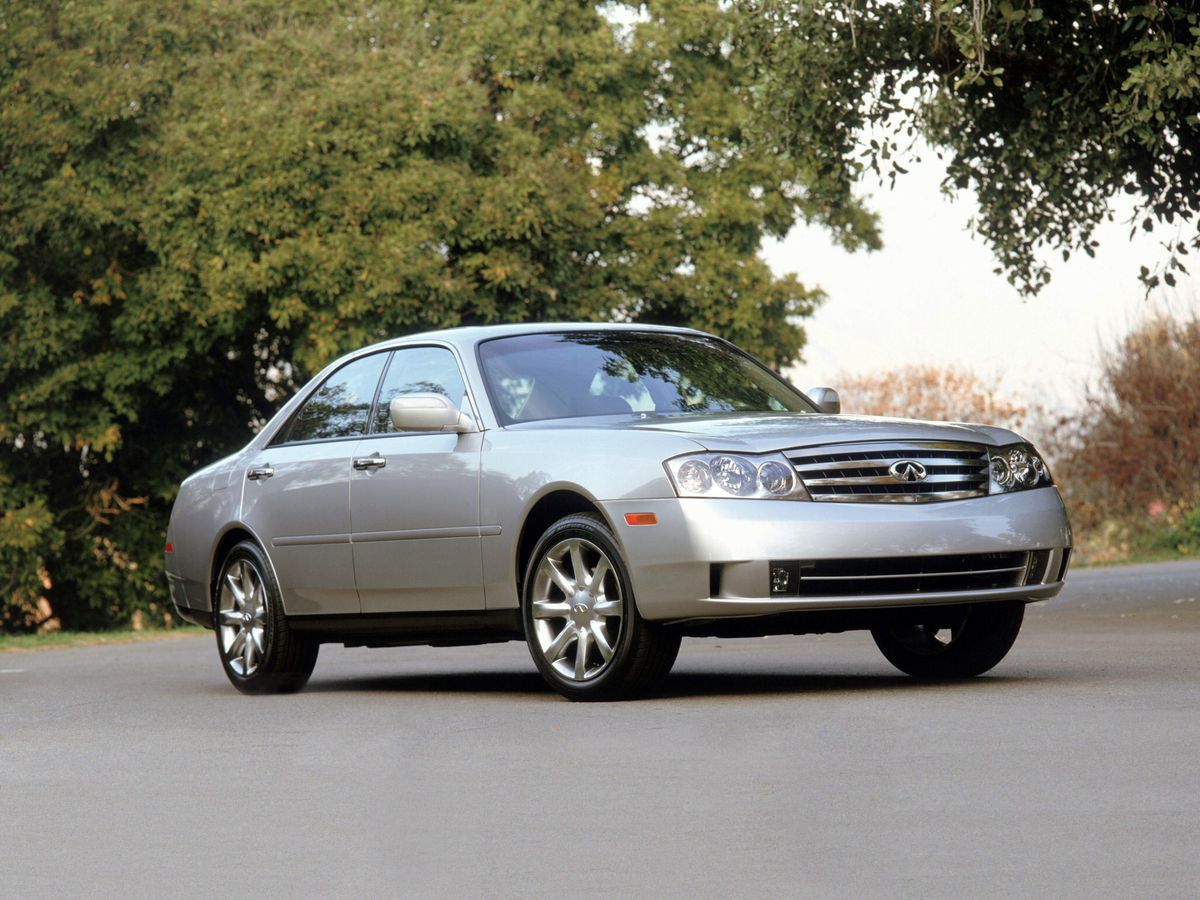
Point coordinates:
[[781, 580]]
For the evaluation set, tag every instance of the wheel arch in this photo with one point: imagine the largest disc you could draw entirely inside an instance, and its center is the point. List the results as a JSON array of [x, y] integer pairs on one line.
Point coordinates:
[[230, 538], [551, 506]]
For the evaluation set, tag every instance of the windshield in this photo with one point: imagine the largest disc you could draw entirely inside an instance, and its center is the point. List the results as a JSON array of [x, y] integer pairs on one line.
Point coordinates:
[[600, 373]]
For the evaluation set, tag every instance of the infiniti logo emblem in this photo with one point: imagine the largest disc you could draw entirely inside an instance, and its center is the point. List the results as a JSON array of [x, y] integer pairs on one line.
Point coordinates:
[[907, 470]]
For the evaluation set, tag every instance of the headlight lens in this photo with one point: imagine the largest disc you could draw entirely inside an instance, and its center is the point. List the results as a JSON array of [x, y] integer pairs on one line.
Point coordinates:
[[694, 477], [767, 476], [775, 477], [734, 475], [1016, 468]]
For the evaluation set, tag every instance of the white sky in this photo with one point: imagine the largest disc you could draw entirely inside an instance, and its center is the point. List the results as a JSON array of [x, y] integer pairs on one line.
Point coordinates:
[[930, 296]]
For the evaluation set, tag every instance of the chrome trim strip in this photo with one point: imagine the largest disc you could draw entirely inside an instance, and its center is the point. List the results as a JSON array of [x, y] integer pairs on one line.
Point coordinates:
[[299, 540], [888, 479], [897, 498], [877, 462], [875, 446], [418, 534]]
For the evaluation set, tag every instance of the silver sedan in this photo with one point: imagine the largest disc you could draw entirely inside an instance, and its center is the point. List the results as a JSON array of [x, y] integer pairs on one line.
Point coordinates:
[[601, 491]]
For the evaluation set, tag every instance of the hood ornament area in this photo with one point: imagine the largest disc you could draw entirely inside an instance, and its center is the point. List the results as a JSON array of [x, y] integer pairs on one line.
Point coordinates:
[[907, 470]]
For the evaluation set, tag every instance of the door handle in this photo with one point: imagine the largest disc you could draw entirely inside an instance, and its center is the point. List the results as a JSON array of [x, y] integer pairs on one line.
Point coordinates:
[[258, 472], [369, 462]]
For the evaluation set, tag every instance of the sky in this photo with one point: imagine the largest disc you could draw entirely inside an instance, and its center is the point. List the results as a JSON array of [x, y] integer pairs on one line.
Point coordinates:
[[930, 296]]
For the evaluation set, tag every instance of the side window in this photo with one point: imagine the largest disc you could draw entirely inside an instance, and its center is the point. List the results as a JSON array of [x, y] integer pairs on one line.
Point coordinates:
[[341, 406], [419, 370]]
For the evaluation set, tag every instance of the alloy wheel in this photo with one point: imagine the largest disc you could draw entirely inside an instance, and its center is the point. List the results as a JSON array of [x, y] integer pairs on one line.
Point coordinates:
[[577, 609], [242, 617]]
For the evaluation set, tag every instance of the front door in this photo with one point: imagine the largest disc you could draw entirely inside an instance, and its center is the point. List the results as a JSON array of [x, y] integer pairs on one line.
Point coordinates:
[[414, 499]]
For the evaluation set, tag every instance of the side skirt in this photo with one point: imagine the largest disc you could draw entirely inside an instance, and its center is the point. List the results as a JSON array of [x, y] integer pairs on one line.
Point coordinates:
[[437, 629]]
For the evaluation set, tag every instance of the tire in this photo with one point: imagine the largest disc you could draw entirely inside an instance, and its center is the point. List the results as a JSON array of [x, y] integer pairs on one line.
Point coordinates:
[[622, 654], [977, 641], [258, 651]]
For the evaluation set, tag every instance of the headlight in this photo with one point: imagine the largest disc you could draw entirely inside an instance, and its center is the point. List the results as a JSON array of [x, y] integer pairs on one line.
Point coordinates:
[[763, 476], [1015, 468]]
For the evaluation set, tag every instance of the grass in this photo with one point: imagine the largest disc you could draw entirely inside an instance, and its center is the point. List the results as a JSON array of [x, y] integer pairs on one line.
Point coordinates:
[[23, 643]]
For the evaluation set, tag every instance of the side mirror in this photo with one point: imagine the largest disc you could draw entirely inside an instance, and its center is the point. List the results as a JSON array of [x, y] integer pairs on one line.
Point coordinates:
[[428, 412], [826, 398]]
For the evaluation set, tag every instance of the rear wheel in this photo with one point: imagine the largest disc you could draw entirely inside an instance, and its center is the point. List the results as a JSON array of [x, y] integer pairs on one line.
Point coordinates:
[[581, 623], [966, 644], [259, 653]]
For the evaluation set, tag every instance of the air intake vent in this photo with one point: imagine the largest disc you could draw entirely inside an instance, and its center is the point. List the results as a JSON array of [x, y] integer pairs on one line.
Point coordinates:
[[913, 574], [890, 472]]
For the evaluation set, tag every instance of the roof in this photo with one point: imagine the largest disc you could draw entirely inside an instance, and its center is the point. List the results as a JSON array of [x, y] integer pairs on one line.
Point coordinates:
[[470, 335]]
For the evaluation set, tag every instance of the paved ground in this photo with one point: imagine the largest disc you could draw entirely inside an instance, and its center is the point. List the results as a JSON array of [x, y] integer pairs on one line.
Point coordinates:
[[772, 767]]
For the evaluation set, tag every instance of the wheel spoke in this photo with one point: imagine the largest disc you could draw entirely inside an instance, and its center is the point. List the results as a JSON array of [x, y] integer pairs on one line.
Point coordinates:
[[601, 639], [577, 569], [236, 646], [596, 582], [556, 647], [248, 656], [581, 655], [608, 608], [231, 618], [548, 609], [235, 589], [256, 635], [559, 577]]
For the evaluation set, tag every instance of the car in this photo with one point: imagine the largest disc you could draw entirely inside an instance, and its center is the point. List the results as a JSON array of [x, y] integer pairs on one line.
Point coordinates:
[[601, 492]]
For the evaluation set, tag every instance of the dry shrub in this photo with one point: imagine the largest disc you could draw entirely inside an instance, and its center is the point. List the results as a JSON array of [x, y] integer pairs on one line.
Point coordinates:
[[940, 393], [1133, 455]]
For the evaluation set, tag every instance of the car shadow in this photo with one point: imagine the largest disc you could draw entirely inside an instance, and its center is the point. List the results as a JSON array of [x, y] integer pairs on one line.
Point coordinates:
[[678, 685]]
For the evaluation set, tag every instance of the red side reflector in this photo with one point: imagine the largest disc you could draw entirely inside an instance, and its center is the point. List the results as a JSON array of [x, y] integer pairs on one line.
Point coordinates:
[[641, 519], [170, 548]]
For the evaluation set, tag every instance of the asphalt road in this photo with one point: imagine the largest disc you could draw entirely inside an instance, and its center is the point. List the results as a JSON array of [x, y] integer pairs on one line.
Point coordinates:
[[772, 767]]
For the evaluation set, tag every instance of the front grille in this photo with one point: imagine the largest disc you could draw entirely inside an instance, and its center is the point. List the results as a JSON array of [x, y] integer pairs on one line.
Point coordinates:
[[860, 473], [914, 574]]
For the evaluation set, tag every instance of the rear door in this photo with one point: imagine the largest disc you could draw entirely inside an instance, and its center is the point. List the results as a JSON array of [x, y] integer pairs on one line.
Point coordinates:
[[414, 499], [297, 491]]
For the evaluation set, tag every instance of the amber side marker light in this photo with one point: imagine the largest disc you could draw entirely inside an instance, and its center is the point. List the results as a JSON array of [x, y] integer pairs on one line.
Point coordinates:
[[641, 519], [169, 548]]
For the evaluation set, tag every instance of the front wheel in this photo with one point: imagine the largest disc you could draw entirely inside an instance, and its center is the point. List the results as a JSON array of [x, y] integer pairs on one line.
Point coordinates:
[[259, 653], [581, 623], [973, 640]]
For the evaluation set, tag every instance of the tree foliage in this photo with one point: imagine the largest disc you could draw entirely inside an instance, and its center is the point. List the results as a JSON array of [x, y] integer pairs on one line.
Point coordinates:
[[201, 203], [1045, 110]]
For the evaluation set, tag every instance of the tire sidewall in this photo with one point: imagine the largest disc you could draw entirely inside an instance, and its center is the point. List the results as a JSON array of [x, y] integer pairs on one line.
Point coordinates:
[[590, 529]]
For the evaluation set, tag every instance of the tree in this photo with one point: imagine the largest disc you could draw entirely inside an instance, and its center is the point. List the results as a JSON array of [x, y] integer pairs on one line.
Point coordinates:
[[203, 203], [1045, 110]]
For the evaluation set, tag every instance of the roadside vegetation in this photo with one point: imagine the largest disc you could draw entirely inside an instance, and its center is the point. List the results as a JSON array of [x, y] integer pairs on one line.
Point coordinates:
[[1130, 462], [18, 643]]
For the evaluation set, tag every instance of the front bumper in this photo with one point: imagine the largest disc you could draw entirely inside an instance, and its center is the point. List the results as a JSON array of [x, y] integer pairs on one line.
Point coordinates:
[[708, 558]]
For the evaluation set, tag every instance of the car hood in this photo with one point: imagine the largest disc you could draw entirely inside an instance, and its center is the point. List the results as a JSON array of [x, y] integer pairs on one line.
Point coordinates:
[[763, 432]]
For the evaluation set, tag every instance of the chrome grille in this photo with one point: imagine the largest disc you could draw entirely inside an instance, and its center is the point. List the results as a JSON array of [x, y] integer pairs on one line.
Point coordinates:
[[859, 473]]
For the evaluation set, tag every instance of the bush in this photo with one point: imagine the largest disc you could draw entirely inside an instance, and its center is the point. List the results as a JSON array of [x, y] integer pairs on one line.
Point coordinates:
[[1129, 464], [940, 393]]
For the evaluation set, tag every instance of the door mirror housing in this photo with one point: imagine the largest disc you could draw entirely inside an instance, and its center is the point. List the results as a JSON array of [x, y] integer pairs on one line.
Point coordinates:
[[826, 399], [428, 412]]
